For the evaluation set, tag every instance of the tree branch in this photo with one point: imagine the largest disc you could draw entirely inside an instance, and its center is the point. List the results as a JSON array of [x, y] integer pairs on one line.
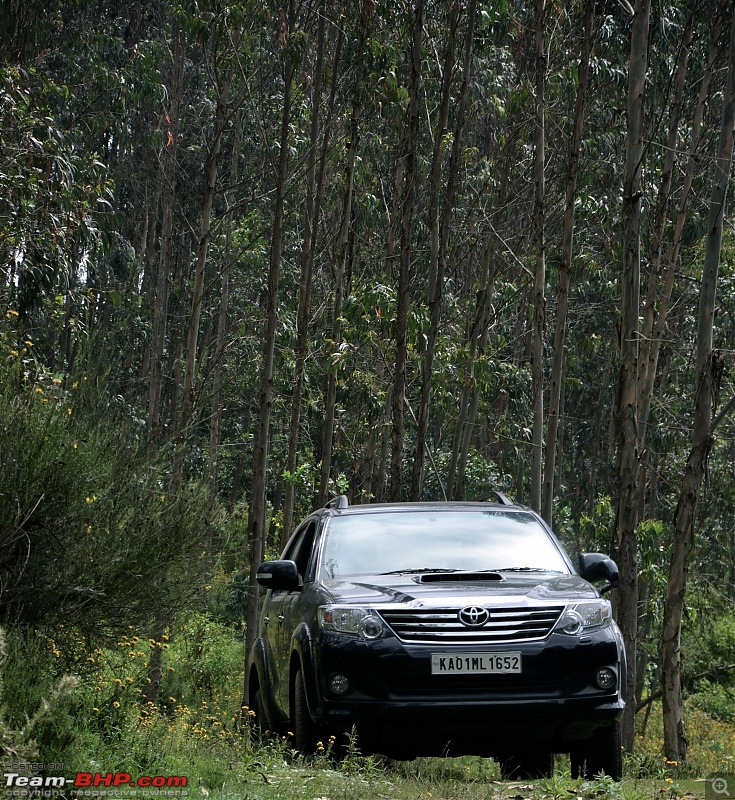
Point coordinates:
[[685, 681]]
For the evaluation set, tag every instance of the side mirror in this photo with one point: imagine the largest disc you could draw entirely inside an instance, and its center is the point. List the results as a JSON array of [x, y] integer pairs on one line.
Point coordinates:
[[278, 575], [597, 567]]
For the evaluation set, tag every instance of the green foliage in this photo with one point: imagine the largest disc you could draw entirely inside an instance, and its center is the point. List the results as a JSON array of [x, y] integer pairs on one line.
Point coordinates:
[[91, 534], [716, 699], [51, 191], [12, 742], [42, 702], [205, 666]]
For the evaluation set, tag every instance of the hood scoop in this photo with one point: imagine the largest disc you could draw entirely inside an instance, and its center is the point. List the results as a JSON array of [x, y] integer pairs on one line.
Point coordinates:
[[458, 577]]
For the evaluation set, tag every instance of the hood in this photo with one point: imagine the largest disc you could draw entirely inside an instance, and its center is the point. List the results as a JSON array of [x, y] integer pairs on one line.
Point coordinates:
[[416, 591]]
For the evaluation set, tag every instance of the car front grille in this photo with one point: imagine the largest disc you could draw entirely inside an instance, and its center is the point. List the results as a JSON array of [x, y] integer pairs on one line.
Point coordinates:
[[442, 625]]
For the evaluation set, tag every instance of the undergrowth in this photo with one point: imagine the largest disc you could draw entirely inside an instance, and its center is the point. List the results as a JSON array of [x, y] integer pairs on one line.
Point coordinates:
[[103, 722]]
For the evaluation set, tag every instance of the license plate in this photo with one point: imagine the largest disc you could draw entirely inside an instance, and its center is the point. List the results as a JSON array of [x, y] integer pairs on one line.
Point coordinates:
[[475, 663]]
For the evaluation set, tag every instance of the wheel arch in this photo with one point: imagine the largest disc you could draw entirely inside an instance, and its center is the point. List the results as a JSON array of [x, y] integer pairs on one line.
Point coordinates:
[[302, 658], [257, 678]]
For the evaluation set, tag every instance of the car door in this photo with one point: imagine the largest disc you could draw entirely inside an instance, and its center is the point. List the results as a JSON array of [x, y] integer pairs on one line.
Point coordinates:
[[273, 634], [290, 612]]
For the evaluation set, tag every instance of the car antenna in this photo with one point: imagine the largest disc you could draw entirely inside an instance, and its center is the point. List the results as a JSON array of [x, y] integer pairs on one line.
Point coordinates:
[[339, 502]]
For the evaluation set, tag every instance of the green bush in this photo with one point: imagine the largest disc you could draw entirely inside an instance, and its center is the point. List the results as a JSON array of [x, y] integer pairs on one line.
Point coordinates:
[[715, 699], [204, 667], [91, 535], [31, 705]]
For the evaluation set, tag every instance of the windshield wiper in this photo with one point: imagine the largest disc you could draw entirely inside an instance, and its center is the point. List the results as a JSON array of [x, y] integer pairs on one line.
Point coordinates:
[[417, 571], [526, 569]]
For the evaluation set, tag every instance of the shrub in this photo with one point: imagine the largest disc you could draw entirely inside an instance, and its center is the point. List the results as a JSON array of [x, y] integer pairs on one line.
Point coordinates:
[[91, 537]]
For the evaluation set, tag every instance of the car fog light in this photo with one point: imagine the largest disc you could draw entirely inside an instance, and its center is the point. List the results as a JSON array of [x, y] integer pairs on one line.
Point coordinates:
[[605, 678], [339, 684]]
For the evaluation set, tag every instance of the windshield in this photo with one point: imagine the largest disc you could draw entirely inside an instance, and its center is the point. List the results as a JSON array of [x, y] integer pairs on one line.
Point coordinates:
[[436, 541]]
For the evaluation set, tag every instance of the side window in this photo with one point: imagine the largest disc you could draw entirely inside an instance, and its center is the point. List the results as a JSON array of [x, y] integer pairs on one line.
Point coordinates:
[[300, 547], [292, 547], [303, 557]]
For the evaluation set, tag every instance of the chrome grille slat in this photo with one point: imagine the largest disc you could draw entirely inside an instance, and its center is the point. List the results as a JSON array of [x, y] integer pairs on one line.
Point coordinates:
[[443, 625]]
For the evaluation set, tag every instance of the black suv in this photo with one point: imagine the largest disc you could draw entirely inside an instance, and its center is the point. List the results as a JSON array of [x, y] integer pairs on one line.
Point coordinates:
[[441, 629]]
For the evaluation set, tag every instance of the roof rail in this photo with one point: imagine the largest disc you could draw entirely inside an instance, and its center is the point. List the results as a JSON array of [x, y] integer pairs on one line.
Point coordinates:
[[498, 497], [339, 502]]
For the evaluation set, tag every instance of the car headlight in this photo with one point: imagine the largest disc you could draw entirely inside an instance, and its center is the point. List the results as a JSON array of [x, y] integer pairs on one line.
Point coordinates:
[[582, 617], [355, 620]]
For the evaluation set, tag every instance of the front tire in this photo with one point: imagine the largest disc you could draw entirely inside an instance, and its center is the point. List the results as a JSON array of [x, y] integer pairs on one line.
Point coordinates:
[[600, 753], [305, 732]]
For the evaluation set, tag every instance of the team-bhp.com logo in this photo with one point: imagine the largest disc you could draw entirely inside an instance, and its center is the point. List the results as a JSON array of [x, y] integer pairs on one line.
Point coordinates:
[[94, 780]]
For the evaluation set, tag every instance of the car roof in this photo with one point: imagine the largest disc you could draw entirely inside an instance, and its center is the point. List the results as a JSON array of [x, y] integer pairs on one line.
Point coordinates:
[[339, 507]]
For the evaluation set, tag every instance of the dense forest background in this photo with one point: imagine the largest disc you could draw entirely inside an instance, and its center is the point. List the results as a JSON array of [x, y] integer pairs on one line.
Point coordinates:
[[254, 255]]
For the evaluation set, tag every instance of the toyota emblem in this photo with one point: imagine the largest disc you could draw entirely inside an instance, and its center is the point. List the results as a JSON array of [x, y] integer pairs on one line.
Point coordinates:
[[474, 616]]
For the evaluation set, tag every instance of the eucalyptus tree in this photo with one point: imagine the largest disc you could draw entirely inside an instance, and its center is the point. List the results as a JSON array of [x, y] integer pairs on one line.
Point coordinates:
[[319, 138], [440, 223], [538, 222], [415, 27], [223, 330], [291, 44], [627, 432], [435, 277], [709, 368], [168, 179], [565, 263], [342, 245], [225, 33]]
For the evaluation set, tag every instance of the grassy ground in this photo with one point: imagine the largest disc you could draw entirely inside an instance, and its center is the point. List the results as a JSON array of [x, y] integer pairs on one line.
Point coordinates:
[[101, 722], [275, 778]]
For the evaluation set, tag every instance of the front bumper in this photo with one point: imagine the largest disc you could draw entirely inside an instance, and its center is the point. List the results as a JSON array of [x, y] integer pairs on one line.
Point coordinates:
[[397, 704]]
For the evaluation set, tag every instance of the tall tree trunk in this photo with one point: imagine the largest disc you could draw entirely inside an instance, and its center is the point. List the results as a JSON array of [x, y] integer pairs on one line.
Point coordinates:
[[627, 422], [657, 233], [478, 335], [539, 244], [709, 368], [435, 279], [655, 320], [448, 205], [168, 179], [565, 267], [205, 233], [312, 213], [342, 249], [399, 378], [215, 424], [265, 399]]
